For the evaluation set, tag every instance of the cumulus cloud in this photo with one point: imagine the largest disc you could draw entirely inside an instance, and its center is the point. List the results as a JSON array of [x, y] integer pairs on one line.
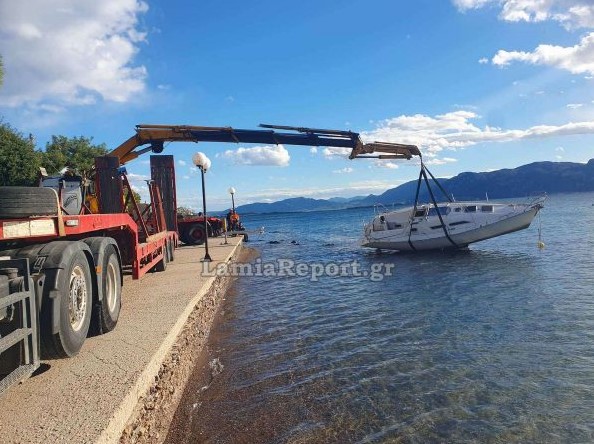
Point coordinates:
[[68, 52], [386, 164], [570, 13], [578, 59], [458, 130], [275, 155], [345, 170], [333, 151], [182, 162]]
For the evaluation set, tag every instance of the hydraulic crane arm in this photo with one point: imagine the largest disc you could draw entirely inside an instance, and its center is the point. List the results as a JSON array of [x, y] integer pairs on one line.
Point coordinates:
[[156, 135]]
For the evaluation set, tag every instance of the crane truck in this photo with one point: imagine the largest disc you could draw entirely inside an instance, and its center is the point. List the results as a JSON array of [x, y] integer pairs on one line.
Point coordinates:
[[66, 244]]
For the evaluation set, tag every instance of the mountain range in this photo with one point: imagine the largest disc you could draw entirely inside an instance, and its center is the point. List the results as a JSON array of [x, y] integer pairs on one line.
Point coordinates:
[[537, 177]]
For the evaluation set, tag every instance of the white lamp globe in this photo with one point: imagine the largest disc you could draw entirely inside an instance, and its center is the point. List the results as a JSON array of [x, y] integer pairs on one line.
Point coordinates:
[[199, 159], [231, 190], [207, 165]]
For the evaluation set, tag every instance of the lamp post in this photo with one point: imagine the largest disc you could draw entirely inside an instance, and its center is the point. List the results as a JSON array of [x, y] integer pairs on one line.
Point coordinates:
[[203, 164], [232, 193]]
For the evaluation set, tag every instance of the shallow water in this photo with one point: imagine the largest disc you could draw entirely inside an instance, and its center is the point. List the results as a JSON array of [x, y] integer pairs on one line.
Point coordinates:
[[491, 344]]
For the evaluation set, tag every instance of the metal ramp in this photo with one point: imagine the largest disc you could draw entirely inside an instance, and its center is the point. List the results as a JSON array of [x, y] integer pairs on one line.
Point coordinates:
[[19, 346]]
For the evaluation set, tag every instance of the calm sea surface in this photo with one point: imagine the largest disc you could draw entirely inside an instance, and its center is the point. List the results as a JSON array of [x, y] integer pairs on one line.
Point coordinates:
[[491, 344]]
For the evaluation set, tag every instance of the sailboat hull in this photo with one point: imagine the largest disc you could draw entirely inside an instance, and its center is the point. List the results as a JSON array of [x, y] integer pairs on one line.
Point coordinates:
[[461, 227]]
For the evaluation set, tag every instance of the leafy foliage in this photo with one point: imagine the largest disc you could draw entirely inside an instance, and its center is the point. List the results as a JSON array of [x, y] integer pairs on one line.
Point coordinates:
[[136, 197], [19, 162], [185, 211], [77, 153]]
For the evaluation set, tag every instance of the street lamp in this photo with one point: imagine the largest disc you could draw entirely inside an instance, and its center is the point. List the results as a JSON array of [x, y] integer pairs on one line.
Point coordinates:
[[232, 193], [203, 164]]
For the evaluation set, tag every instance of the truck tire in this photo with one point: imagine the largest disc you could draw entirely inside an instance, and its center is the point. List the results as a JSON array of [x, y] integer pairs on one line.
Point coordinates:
[[195, 235], [76, 298], [183, 235], [171, 249], [18, 202], [162, 264], [111, 280]]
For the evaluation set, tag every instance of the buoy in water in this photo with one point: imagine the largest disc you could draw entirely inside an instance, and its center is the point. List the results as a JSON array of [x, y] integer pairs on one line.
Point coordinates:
[[540, 245]]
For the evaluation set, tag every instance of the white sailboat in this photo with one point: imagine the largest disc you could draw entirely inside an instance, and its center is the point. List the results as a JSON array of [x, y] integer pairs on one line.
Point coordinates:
[[444, 225], [447, 224]]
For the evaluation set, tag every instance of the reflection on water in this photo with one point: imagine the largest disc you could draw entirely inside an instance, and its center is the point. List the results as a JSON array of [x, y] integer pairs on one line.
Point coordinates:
[[491, 344]]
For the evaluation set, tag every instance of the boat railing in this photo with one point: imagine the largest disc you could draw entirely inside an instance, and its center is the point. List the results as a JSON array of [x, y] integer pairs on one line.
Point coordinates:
[[537, 198], [379, 208]]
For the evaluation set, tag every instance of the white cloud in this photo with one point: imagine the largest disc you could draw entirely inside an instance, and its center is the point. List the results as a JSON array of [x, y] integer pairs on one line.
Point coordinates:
[[69, 52], [578, 59], [138, 184], [345, 170], [560, 149], [276, 155], [386, 164], [333, 151], [457, 130], [570, 13], [441, 161], [483, 61], [313, 150], [182, 162], [574, 105]]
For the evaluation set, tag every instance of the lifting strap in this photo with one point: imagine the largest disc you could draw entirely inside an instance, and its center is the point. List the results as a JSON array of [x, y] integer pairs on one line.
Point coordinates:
[[443, 226]]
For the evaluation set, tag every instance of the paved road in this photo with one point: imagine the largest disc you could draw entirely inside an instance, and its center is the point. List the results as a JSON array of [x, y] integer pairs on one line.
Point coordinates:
[[89, 398]]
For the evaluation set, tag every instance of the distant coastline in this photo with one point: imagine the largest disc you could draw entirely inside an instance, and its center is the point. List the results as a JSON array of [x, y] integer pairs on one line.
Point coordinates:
[[525, 180]]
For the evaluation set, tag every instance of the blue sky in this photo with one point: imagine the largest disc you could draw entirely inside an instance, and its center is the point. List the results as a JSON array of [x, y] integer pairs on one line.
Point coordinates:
[[477, 84]]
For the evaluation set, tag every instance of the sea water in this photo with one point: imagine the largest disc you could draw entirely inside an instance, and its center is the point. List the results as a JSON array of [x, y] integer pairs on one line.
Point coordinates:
[[491, 344]]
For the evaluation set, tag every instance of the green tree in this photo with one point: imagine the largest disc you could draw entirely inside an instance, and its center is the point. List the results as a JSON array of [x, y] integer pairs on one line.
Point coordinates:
[[185, 211], [19, 162], [136, 197], [77, 153]]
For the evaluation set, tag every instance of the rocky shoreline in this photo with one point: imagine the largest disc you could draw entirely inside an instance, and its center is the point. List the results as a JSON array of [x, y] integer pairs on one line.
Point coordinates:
[[154, 412]]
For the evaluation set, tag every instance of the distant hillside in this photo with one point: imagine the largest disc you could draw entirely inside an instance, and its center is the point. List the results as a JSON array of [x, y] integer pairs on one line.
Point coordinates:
[[549, 177], [290, 205]]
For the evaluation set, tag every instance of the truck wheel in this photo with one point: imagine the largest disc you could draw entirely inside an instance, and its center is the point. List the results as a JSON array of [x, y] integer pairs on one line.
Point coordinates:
[[171, 247], [76, 298], [183, 236], [195, 235], [111, 280], [18, 202], [162, 264]]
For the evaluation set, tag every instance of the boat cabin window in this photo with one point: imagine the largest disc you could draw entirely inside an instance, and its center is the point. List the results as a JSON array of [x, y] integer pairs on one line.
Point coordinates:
[[470, 209], [457, 209], [393, 226], [487, 208], [420, 212], [460, 222], [442, 210]]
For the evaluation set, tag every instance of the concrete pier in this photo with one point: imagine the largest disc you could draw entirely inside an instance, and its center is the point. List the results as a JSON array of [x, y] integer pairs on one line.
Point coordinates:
[[90, 398]]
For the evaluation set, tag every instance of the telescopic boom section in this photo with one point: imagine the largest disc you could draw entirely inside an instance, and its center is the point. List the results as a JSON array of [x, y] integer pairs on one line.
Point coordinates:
[[390, 150], [156, 135]]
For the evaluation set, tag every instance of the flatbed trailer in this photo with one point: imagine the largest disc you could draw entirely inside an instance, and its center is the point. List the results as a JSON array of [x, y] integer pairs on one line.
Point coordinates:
[[77, 262]]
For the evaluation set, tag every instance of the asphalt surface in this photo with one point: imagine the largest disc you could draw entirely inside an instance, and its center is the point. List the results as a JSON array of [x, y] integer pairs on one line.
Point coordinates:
[[89, 398]]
